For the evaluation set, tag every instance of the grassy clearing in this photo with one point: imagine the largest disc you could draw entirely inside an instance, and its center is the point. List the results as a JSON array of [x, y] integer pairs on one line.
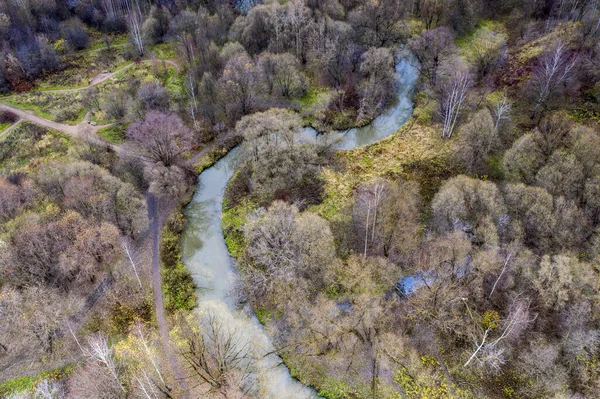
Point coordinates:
[[177, 283], [233, 218], [216, 153], [465, 43], [28, 145], [63, 107], [28, 383], [81, 68], [114, 133], [67, 107], [98, 39], [563, 32], [416, 152], [164, 50]]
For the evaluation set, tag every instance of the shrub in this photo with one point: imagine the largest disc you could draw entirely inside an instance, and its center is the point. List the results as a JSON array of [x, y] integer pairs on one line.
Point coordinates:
[[8, 117]]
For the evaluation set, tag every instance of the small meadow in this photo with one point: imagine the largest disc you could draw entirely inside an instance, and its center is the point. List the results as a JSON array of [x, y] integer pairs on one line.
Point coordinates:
[[28, 145]]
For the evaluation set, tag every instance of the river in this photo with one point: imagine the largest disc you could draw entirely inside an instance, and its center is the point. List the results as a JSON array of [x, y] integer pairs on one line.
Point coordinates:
[[206, 256]]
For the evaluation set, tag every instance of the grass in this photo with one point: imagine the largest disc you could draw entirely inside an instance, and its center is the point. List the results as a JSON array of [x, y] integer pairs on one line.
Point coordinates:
[[81, 68], [563, 32], [464, 43], [232, 220], [216, 153], [163, 50], [63, 107], [416, 152], [4, 126], [177, 284], [28, 383], [97, 39], [114, 133], [67, 107], [28, 145]]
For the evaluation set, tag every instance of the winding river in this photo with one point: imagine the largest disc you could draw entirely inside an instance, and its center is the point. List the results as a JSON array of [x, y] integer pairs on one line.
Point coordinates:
[[207, 258]]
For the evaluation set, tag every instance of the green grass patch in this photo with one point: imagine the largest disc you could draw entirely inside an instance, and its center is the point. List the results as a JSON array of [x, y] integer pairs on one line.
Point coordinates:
[[4, 126], [415, 152], [98, 39], [62, 107], [465, 42], [81, 68], [216, 153], [315, 96], [28, 383], [232, 220], [29, 142], [177, 283], [67, 107], [115, 133], [167, 50]]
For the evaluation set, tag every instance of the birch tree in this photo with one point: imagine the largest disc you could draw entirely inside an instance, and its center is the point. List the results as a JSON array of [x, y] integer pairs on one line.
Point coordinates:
[[452, 100], [191, 88], [135, 19], [501, 112], [489, 352], [298, 20], [555, 69]]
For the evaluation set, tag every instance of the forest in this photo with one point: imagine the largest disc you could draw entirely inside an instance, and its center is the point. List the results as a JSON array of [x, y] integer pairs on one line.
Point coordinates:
[[339, 199]]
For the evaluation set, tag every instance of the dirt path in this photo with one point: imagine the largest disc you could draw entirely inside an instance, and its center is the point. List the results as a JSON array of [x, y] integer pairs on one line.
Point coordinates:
[[82, 130], [156, 224], [8, 129]]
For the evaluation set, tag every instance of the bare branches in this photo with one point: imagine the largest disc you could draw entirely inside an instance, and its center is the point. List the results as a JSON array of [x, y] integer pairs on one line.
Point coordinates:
[[99, 350], [501, 112], [134, 23], [556, 68], [506, 262], [452, 98], [487, 352], [216, 354], [127, 248]]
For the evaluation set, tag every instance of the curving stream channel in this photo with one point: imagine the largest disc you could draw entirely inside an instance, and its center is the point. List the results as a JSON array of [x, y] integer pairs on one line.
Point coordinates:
[[207, 258]]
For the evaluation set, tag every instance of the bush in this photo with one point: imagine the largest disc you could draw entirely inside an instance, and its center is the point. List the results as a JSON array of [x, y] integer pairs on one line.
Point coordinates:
[[76, 36], [8, 117]]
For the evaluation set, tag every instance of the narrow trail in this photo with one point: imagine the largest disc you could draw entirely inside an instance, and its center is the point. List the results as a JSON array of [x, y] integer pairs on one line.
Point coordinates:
[[8, 129], [156, 224]]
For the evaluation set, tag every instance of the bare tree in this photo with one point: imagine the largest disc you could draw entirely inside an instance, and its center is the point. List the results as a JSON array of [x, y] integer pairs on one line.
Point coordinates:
[[501, 112], [297, 18], [368, 202], [452, 98], [126, 245], [191, 88], [98, 349], [135, 19], [182, 29], [162, 137], [488, 352], [504, 267], [49, 390], [433, 48], [556, 68], [216, 354]]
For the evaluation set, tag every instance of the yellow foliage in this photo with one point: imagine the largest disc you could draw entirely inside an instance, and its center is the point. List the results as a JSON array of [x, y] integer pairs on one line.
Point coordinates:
[[490, 319]]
